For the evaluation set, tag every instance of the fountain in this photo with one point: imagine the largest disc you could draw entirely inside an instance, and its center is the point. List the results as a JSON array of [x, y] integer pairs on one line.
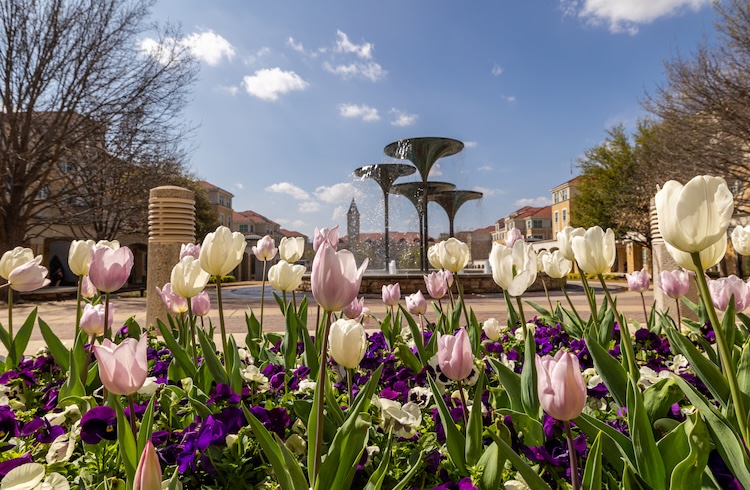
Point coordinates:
[[452, 200], [423, 153], [385, 174]]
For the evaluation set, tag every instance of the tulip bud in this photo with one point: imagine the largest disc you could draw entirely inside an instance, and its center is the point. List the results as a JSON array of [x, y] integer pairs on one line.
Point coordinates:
[[285, 276], [513, 236], [148, 473], [436, 285], [88, 290], [174, 303], [391, 294], [638, 281], [92, 319], [595, 251], [555, 264], [109, 268], [694, 216], [560, 385], [348, 342], [13, 259], [291, 248], [335, 279], [455, 358], [492, 329], [513, 269], [710, 256], [326, 235], [113, 244], [416, 304], [187, 277], [265, 250], [454, 254], [675, 284], [190, 249], [433, 255], [564, 241], [201, 304], [222, 251], [122, 368], [354, 309], [29, 276], [79, 256], [725, 288]]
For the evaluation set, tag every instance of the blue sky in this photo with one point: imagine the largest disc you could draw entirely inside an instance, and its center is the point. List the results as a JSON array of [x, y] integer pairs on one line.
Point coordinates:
[[294, 95]]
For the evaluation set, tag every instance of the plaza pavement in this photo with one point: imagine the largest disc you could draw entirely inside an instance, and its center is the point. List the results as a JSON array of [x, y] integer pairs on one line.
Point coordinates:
[[238, 299]]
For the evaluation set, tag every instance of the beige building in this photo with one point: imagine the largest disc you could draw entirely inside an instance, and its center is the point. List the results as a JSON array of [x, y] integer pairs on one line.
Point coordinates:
[[534, 223], [221, 203], [561, 205]]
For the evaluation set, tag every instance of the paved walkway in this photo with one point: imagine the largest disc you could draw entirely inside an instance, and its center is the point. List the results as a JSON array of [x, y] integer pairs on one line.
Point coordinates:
[[241, 298]]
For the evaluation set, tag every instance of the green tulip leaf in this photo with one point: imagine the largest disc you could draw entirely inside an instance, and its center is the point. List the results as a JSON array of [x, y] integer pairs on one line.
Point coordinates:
[[647, 456], [592, 474], [455, 441], [406, 356], [706, 370], [618, 445], [208, 350], [615, 376], [659, 397], [689, 472], [410, 474], [340, 464], [743, 372], [73, 385], [54, 344], [492, 463], [532, 479], [125, 438], [289, 343], [475, 425], [510, 381], [416, 334], [375, 482], [233, 356], [21, 340], [178, 353], [144, 432], [529, 394]]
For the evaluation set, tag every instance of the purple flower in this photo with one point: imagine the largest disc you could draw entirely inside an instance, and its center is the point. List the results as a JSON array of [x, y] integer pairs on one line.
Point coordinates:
[[275, 420], [8, 422], [43, 431], [99, 423], [8, 465]]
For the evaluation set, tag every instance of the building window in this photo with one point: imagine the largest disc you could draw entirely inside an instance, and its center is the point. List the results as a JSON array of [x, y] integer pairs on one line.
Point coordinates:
[[221, 200], [556, 216], [229, 202], [221, 219], [528, 224], [229, 222], [565, 195], [537, 223], [243, 228], [565, 215], [556, 197]]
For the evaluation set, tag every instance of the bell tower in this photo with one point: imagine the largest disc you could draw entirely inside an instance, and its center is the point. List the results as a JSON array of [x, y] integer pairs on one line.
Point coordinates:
[[352, 223]]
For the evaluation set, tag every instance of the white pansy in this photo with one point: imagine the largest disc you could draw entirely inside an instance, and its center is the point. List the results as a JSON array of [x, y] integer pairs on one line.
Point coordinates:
[[404, 420], [59, 418], [650, 377], [149, 386]]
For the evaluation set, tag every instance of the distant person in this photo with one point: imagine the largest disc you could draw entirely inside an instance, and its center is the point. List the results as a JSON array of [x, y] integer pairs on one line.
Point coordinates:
[[55, 271]]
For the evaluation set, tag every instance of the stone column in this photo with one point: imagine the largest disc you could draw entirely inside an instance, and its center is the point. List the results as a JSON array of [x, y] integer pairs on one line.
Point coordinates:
[[171, 222], [662, 261]]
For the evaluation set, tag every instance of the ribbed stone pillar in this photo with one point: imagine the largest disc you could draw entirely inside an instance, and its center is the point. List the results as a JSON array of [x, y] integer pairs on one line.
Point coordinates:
[[171, 222], [663, 261]]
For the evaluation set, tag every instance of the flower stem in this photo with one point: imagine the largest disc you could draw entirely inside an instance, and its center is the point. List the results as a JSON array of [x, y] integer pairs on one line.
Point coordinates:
[[321, 393], [549, 301], [626, 343], [192, 332], [221, 324], [464, 408], [645, 314], [572, 454], [78, 306], [262, 298], [107, 330], [461, 298], [679, 315], [131, 405], [520, 311], [349, 386], [10, 316], [721, 343], [590, 298], [572, 307]]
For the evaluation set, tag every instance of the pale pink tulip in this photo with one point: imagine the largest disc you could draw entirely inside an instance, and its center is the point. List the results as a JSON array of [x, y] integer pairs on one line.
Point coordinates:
[[437, 287], [638, 281], [354, 309], [416, 304], [391, 294], [675, 284], [148, 473], [560, 385], [335, 278], [201, 304], [122, 368], [190, 249], [724, 288], [454, 355], [88, 290], [29, 276], [92, 319], [109, 269], [513, 236], [326, 235], [174, 303], [266, 249]]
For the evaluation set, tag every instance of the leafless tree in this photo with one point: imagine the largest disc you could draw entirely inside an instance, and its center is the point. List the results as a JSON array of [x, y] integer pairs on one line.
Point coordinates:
[[88, 119]]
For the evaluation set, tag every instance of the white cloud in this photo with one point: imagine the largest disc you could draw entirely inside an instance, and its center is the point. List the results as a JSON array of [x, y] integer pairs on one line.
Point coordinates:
[[435, 170], [336, 193], [470, 144], [291, 223], [509, 98], [534, 201], [268, 84], [298, 47], [239, 186], [485, 168], [364, 112], [371, 71], [289, 189], [627, 15], [402, 119], [230, 89], [497, 70], [487, 191], [209, 47], [339, 213], [343, 45], [307, 207], [253, 58]]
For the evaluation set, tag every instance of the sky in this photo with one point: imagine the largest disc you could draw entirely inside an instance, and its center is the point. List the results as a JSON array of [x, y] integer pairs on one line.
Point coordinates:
[[294, 95]]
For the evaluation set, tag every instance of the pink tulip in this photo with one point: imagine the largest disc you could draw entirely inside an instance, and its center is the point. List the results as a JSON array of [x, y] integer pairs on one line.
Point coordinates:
[[88, 290], [354, 309], [513, 236], [122, 368], [174, 303], [447, 276], [437, 287], [675, 284], [148, 473], [724, 288], [454, 355], [638, 281], [266, 249], [560, 385], [326, 235], [416, 304], [190, 249], [391, 294], [335, 278], [92, 319], [109, 269], [201, 304], [29, 276]]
